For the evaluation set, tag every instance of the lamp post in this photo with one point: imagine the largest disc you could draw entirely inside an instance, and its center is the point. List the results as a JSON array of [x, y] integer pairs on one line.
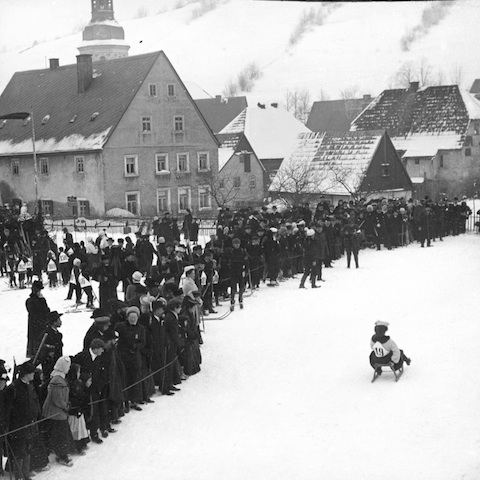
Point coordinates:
[[23, 116]]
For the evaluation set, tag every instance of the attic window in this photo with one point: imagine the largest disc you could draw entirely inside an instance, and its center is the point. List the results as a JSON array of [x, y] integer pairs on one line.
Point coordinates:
[[94, 116], [3, 123], [45, 119], [73, 118], [26, 121]]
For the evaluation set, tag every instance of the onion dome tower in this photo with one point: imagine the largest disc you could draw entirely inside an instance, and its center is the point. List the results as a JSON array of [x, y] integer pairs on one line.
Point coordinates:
[[103, 37]]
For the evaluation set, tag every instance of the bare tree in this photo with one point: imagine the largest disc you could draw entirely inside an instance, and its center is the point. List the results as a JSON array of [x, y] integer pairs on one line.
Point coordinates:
[[456, 75], [297, 179], [405, 75], [323, 95], [222, 187], [424, 73], [349, 96], [298, 103]]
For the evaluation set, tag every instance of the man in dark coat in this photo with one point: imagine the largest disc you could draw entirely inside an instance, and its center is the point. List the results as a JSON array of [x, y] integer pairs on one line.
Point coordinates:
[[22, 410], [94, 366], [37, 313], [52, 349], [101, 323]]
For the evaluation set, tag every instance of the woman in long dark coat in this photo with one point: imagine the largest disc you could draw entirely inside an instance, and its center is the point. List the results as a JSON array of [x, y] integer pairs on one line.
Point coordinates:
[[131, 339], [172, 343], [37, 314], [191, 357]]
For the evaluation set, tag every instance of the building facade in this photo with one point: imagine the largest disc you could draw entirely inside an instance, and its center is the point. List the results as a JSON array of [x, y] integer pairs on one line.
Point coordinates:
[[119, 134]]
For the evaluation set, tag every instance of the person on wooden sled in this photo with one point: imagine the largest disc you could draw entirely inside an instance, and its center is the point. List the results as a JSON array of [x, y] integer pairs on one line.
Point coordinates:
[[384, 350]]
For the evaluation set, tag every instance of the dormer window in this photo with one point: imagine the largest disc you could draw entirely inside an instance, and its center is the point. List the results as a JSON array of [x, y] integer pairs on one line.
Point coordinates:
[[73, 118], [45, 119], [94, 116]]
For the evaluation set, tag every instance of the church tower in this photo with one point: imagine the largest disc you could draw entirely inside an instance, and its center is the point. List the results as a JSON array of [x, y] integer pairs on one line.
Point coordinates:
[[103, 37]]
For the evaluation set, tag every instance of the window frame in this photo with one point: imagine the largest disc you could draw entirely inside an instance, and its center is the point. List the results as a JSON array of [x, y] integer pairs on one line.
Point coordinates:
[[441, 161], [77, 163], [207, 169], [172, 85], [83, 207], [187, 162], [15, 166], [125, 170], [168, 197], [146, 121], [252, 181], [152, 86], [175, 120], [247, 162], [43, 162], [166, 171], [188, 192], [385, 170], [49, 203], [133, 192], [204, 191]]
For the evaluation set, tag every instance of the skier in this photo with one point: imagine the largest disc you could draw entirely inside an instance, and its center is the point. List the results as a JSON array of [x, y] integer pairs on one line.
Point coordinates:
[[384, 350]]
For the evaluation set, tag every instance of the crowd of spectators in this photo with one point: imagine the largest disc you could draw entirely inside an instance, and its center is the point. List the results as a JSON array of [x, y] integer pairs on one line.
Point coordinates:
[[148, 341]]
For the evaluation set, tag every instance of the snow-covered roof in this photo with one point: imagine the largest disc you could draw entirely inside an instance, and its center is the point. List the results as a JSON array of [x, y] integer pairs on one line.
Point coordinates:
[[272, 132], [417, 180], [328, 156], [436, 116], [427, 144], [427, 151], [472, 104]]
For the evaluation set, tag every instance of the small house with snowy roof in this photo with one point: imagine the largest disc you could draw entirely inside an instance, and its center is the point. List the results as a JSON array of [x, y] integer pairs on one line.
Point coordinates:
[[119, 133], [342, 165], [435, 130], [271, 131], [241, 175]]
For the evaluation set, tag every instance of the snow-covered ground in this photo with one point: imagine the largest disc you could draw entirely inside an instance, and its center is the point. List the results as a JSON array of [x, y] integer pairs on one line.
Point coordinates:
[[285, 390]]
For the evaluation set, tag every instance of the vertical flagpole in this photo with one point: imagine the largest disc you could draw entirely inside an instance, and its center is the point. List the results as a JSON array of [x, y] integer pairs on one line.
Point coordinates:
[[35, 170]]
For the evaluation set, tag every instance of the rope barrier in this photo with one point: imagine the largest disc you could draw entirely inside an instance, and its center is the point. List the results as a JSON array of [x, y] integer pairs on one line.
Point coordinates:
[[10, 432]]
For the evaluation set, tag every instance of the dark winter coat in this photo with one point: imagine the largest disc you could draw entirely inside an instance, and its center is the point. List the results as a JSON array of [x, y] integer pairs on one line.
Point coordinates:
[[37, 312]]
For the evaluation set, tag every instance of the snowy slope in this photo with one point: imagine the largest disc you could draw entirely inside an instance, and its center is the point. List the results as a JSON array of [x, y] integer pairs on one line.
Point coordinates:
[[285, 390], [358, 44]]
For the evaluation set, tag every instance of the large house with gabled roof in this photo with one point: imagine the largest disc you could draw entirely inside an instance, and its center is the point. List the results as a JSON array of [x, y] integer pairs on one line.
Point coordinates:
[[342, 165], [120, 133], [435, 130]]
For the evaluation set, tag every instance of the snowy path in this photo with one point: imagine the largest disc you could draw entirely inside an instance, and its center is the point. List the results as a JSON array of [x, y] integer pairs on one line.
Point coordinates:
[[285, 389]]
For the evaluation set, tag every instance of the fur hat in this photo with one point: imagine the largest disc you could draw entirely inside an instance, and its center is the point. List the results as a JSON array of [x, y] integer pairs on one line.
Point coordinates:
[[37, 285], [188, 269], [381, 323], [132, 309], [137, 277]]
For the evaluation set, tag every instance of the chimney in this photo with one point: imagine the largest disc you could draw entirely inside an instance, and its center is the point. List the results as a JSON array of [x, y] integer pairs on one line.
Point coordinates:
[[84, 72], [367, 97], [413, 86], [54, 63], [274, 105], [218, 98]]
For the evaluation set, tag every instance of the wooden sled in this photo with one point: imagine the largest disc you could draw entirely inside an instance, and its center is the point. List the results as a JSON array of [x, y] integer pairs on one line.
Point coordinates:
[[397, 373]]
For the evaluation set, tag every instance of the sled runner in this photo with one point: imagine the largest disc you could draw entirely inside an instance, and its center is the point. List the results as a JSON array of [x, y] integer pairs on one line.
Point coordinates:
[[397, 373]]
